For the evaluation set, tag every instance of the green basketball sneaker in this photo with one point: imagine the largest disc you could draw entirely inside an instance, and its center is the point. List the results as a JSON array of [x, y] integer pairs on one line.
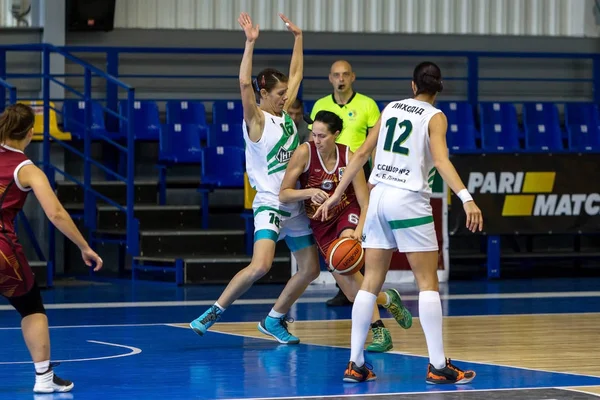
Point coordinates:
[[397, 309], [382, 340]]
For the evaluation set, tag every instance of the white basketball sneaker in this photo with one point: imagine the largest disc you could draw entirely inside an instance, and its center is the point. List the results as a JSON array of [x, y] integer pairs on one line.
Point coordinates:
[[47, 382]]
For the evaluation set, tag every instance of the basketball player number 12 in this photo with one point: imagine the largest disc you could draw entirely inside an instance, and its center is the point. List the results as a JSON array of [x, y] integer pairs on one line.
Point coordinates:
[[391, 125]]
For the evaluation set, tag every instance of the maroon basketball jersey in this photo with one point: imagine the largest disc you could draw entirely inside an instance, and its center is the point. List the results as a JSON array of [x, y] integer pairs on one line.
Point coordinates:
[[317, 176], [16, 277]]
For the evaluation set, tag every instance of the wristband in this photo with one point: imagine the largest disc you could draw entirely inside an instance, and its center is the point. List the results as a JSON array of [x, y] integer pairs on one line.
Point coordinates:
[[464, 195]]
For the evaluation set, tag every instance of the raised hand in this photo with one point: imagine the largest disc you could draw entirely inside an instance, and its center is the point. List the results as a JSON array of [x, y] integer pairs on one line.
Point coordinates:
[[290, 25], [246, 24]]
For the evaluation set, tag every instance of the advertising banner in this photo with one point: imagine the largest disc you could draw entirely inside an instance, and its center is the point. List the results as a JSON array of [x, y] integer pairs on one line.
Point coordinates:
[[530, 193]]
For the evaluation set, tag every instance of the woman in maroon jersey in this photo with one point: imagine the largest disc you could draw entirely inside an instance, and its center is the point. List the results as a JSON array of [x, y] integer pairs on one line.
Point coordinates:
[[319, 165], [18, 176]]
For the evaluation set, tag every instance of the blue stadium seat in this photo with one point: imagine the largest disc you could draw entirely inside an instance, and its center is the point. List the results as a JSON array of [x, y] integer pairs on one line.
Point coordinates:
[[74, 118], [381, 104], [308, 106], [222, 167], [226, 135], [542, 127], [582, 122], [461, 126], [540, 114], [543, 138], [227, 111], [146, 119], [187, 112], [180, 143], [499, 128]]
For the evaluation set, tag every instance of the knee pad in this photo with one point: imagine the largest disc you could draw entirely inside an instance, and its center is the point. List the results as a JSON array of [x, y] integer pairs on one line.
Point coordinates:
[[30, 303]]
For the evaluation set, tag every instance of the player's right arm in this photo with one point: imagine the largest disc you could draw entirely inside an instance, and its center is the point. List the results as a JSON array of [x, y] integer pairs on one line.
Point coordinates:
[[361, 156], [361, 190], [253, 117], [288, 192], [438, 126], [32, 177]]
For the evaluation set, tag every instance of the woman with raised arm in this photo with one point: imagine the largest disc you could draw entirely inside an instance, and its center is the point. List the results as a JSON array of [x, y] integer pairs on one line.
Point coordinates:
[[18, 176], [271, 138]]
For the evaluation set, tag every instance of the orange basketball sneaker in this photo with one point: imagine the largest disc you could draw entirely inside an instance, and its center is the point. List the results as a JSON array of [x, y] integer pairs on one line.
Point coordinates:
[[449, 374], [356, 374]]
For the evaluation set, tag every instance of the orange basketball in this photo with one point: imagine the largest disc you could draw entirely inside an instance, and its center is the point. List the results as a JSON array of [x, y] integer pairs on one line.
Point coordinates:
[[345, 256]]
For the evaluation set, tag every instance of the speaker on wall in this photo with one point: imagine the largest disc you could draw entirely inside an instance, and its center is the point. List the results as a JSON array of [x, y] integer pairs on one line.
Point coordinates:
[[90, 15]]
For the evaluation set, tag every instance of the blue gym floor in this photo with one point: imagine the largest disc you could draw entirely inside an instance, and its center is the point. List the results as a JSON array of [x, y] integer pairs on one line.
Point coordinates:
[[115, 340]]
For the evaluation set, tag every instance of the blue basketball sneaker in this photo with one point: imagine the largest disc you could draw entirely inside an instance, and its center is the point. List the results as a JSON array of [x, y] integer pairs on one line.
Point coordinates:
[[201, 324], [277, 327]]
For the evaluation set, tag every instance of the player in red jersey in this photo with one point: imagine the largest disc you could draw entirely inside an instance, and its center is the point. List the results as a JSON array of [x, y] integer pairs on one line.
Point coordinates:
[[18, 176], [319, 165]]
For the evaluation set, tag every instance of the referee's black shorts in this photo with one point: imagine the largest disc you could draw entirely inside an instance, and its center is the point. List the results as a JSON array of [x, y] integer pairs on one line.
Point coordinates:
[[367, 169]]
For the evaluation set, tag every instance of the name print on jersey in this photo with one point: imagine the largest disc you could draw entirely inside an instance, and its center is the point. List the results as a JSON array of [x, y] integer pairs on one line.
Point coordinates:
[[411, 109], [383, 168]]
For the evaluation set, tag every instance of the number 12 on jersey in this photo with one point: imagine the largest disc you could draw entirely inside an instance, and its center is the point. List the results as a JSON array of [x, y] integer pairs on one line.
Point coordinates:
[[405, 131]]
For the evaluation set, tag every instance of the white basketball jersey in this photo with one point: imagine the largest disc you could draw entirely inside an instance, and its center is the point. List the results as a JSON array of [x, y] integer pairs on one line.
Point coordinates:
[[267, 159], [403, 158]]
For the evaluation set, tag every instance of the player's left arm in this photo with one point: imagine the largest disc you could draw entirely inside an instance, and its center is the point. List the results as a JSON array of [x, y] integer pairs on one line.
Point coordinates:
[[362, 196], [438, 126], [296, 64]]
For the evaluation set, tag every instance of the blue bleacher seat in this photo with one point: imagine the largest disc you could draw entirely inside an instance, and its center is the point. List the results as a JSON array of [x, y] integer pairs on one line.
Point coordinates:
[[461, 126], [536, 113], [187, 112], [382, 104], [223, 166], [226, 135], [543, 138], [146, 119], [542, 127], [582, 121], [308, 106], [74, 118], [227, 111], [180, 143], [499, 128]]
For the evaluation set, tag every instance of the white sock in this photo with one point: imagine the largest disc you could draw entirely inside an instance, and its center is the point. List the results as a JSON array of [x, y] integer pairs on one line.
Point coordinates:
[[275, 314], [219, 306], [362, 313], [430, 316], [42, 366]]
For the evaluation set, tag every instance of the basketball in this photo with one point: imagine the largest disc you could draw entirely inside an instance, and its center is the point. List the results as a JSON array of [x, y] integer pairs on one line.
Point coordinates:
[[345, 256]]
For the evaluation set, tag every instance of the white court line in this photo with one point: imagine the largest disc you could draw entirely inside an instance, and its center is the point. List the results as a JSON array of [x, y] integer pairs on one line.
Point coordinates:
[[367, 395], [180, 326], [487, 296], [134, 351], [175, 324], [90, 326], [420, 356]]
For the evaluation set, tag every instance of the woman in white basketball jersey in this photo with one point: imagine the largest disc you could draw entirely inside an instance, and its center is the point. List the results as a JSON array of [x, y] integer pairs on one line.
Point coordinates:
[[411, 146], [271, 138]]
